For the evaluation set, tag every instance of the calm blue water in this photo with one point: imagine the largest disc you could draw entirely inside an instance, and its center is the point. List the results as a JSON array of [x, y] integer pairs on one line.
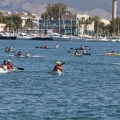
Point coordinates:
[[88, 89]]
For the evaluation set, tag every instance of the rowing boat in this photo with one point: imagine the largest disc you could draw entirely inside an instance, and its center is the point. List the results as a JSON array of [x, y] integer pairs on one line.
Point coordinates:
[[112, 54], [2, 71]]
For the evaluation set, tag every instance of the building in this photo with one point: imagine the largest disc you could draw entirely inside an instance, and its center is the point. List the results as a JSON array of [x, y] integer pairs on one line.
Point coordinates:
[[69, 25], [106, 22], [3, 27]]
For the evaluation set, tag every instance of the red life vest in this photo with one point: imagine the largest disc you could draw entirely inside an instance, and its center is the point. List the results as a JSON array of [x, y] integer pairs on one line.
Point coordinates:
[[58, 67]]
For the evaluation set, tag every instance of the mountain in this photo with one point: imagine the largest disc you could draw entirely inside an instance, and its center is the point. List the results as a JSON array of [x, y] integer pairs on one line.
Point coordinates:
[[102, 8]]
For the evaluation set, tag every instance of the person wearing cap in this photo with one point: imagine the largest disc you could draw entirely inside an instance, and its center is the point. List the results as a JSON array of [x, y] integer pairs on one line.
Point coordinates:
[[9, 64], [58, 66]]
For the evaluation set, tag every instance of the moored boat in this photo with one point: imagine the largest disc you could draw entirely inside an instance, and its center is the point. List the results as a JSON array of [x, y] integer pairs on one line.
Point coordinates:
[[42, 38], [5, 36]]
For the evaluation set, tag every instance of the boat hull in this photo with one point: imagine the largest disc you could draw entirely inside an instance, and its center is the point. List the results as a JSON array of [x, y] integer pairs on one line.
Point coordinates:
[[78, 55], [42, 38], [112, 54], [8, 37], [58, 72], [2, 71]]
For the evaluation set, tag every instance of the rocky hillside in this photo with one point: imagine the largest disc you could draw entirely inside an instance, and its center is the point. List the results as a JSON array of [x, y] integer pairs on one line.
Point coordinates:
[[102, 8]]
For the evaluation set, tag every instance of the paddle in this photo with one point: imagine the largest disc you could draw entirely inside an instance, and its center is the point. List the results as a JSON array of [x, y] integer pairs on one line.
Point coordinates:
[[39, 47], [69, 51], [63, 63], [72, 48], [20, 68]]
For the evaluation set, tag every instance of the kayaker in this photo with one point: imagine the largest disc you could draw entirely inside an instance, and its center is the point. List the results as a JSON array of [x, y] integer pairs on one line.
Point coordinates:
[[6, 49], [9, 65], [76, 52], [4, 65], [46, 47], [9, 49], [58, 66], [27, 54], [113, 51], [19, 53], [81, 47], [84, 51], [57, 45]]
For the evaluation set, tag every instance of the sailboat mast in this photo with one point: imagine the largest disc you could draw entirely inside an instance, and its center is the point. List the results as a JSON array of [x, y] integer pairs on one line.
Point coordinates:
[[71, 26]]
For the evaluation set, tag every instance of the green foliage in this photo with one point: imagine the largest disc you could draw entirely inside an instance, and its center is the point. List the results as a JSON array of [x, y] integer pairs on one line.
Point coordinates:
[[115, 26], [1, 14], [14, 21], [55, 11]]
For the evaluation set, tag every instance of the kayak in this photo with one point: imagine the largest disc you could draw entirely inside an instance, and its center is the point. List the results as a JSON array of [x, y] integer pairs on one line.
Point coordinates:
[[86, 53], [45, 48], [58, 72], [112, 54], [34, 56], [21, 56], [78, 55], [2, 71], [10, 51]]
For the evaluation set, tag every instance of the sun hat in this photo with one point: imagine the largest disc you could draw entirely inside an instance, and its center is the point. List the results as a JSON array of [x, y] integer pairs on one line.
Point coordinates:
[[58, 62], [8, 60]]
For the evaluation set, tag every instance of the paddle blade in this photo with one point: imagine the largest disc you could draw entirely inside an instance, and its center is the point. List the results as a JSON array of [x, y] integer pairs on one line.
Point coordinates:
[[68, 51], [62, 63], [20, 68]]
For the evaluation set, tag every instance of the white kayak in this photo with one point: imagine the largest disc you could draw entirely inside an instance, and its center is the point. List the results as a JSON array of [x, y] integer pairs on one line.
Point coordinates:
[[2, 71], [57, 72], [34, 56]]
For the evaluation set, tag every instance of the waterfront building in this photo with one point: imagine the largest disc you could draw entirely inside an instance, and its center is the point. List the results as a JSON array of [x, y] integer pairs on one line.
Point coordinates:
[[3, 27], [68, 25], [105, 21]]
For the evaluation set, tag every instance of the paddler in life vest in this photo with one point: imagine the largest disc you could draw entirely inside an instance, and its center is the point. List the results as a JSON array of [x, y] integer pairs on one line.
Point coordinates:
[[84, 51], [27, 54], [76, 52], [4, 65], [6, 49], [81, 47], [113, 51], [58, 67], [57, 45], [46, 47], [9, 65], [19, 53]]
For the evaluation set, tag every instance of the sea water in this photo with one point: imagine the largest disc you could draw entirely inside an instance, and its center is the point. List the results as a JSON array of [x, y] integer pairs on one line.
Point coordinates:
[[88, 89]]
